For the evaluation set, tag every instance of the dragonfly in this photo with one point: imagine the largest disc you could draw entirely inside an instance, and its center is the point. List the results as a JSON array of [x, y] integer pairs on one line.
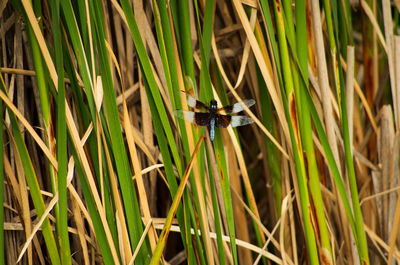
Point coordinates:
[[211, 116]]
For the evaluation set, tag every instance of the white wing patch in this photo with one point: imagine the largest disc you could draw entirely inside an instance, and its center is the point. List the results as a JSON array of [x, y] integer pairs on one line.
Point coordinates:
[[240, 120], [185, 114], [191, 101], [238, 107]]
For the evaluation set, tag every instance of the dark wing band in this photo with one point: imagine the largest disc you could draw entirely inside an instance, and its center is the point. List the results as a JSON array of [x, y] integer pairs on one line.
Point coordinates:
[[222, 121], [199, 118], [202, 118], [194, 103]]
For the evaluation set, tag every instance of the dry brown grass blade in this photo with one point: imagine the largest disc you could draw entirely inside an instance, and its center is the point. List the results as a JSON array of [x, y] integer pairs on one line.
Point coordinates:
[[80, 229], [141, 241], [397, 80], [75, 195], [150, 42], [388, 26], [37, 226], [270, 238], [128, 93], [378, 239], [387, 136], [11, 177], [393, 237], [139, 180], [282, 240], [22, 190], [363, 99], [149, 169], [30, 129], [293, 250], [394, 214], [375, 195], [16, 71], [323, 80], [374, 23], [24, 72], [41, 41], [121, 239], [246, 50]]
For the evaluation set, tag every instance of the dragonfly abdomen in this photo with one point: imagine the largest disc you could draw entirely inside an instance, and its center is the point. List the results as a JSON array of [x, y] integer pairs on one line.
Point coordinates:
[[212, 129]]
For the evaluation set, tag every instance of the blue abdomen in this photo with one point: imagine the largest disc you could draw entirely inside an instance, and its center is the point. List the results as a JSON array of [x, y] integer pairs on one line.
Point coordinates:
[[212, 129]]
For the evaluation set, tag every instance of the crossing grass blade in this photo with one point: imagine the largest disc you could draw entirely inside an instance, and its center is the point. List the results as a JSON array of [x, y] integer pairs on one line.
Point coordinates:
[[174, 206]]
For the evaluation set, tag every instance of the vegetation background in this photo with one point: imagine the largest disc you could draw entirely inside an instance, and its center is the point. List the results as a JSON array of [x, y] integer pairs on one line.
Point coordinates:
[[95, 168]]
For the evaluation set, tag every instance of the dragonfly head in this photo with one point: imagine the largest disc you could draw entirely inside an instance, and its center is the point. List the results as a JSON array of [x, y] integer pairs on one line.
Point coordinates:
[[213, 104]]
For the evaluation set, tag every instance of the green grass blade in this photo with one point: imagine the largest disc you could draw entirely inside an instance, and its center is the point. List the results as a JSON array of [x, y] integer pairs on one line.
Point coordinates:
[[306, 128], [294, 116], [79, 51], [117, 144], [180, 11], [62, 222], [331, 161]]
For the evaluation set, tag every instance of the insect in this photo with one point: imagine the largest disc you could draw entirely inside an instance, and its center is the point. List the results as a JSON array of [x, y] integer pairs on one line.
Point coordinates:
[[211, 118]]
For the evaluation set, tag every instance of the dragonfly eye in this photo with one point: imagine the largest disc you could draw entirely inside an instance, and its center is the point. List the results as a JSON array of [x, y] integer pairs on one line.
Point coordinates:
[[213, 104]]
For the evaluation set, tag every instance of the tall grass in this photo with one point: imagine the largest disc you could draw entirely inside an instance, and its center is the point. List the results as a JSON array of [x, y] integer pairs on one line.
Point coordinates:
[[96, 169]]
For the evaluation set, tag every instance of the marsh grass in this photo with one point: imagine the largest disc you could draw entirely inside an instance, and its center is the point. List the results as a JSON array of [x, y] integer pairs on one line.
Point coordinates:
[[96, 169]]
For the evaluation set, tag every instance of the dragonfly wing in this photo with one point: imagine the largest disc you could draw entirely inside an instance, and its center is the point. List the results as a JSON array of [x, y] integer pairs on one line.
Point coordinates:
[[240, 120], [199, 118], [185, 115], [202, 118], [238, 107], [222, 121]]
